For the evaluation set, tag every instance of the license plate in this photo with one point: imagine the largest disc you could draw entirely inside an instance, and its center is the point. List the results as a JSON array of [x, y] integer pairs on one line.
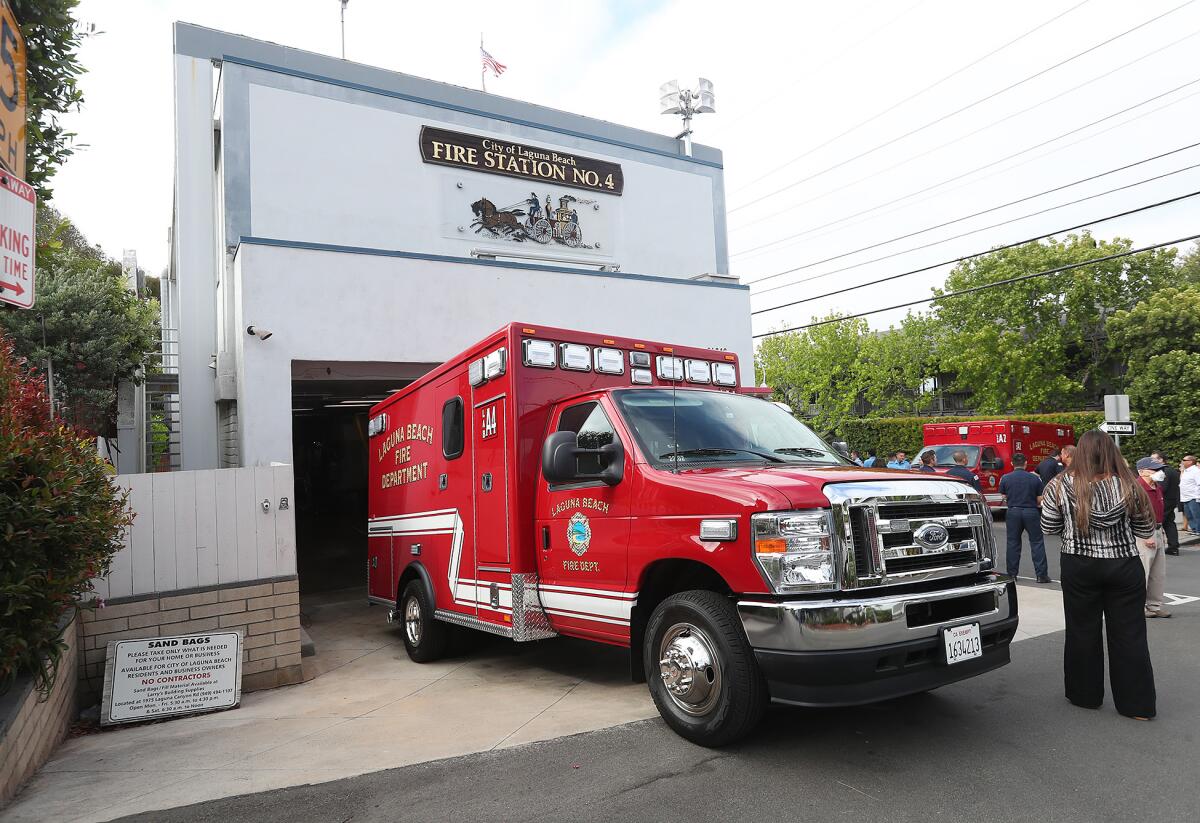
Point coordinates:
[[962, 643]]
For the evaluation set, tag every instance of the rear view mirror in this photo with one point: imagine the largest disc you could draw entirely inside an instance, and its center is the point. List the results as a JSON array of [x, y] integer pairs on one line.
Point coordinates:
[[560, 460]]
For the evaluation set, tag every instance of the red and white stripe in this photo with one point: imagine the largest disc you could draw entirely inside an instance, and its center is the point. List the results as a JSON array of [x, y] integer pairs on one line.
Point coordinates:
[[491, 63]]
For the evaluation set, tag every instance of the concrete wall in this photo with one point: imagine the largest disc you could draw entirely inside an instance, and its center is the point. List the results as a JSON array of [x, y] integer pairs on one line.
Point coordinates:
[[266, 611], [30, 727], [405, 310]]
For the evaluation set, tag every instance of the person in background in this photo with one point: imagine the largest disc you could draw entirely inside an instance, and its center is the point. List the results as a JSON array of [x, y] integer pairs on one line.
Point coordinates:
[[1050, 466], [870, 461], [1170, 487], [960, 470], [1066, 456], [1189, 492], [1099, 508], [855, 458], [1150, 549], [928, 459], [1022, 492], [899, 461]]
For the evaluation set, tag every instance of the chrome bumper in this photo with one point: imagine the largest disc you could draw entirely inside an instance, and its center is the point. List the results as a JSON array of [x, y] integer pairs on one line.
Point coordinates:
[[866, 622]]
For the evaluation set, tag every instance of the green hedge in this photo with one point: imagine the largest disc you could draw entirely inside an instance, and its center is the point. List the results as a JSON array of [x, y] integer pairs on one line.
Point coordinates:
[[886, 435]]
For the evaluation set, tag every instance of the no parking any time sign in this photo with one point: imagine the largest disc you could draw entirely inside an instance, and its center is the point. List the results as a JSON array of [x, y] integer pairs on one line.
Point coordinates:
[[18, 210]]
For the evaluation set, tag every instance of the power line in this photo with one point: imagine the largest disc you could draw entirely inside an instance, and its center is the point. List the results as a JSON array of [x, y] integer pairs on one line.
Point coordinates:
[[979, 253], [744, 117], [958, 111], [975, 289], [982, 228], [968, 173], [784, 211], [911, 97]]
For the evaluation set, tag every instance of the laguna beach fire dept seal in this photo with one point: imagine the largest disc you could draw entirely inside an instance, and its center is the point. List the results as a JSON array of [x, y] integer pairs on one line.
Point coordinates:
[[579, 533]]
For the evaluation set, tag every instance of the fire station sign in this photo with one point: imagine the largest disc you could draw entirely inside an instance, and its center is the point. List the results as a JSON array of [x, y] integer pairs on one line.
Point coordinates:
[[492, 156], [18, 210], [12, 93], [165, 676]]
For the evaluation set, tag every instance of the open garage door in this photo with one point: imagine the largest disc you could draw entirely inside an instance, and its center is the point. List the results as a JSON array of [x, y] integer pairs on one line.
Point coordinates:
[[330, 404]]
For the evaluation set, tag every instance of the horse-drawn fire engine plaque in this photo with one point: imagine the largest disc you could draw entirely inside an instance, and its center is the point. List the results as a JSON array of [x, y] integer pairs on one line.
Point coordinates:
[[492, 156]]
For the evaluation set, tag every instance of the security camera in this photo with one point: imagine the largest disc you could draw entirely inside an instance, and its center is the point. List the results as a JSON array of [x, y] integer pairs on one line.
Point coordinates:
[[261, 334]]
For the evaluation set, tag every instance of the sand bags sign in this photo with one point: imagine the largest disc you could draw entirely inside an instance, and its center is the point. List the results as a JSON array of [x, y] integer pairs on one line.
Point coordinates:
[[166, 676]]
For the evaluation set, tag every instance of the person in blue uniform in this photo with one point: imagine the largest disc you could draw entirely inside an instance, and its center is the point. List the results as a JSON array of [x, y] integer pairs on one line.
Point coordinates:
[[1022, 492], [960, 471]]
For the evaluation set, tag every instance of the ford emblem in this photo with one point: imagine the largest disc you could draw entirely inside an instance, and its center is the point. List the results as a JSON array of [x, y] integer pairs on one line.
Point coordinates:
[[931, 536]]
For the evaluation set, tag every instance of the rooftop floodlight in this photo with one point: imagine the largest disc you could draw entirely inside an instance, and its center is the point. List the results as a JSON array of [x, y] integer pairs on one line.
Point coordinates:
[[687, 103], [668, 97], [707, 100]]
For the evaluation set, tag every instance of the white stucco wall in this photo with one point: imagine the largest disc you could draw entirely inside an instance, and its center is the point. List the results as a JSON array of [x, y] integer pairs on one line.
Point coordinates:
[[350, 173], [402, 310]]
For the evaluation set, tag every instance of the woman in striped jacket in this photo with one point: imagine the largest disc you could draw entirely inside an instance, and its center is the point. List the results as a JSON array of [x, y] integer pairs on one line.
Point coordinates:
[[1099, 508]]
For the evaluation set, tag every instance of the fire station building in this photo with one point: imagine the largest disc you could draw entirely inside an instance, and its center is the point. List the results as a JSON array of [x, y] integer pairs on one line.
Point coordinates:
[[339, 229]]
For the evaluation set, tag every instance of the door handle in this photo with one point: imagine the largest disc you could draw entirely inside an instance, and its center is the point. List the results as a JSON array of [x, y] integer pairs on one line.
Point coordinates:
[[546, 538], [486, 481]]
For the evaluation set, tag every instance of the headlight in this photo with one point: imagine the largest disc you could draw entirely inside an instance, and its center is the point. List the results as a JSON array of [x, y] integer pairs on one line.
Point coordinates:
[[794, 550]]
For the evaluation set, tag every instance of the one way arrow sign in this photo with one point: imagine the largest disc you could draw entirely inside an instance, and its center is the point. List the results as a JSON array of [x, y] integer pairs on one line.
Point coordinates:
[[1121, 427]]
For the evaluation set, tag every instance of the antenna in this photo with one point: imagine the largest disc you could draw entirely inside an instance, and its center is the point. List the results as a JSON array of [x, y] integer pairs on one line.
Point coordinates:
[[674, 424]]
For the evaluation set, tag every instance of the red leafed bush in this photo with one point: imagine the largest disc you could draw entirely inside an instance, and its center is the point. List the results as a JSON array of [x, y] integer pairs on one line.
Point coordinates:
[[61, 521]]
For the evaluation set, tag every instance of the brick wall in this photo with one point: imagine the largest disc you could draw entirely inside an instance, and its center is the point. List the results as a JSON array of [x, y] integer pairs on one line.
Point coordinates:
[[266, 611], [30, 728]]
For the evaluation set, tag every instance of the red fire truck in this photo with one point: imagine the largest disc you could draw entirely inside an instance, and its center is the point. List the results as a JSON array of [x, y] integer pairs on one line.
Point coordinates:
[[990, 445], [551, 482]]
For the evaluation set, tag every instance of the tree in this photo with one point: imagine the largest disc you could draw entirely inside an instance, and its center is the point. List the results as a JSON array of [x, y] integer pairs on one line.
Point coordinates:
[[893, 366], [1189, 266], [818, 365], [1159, 341], [97, 332], [61, 520], [52, 40], [1040, 344]]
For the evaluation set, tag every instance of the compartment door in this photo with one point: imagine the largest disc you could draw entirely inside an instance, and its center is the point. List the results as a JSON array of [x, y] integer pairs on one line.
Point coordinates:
[[379, 567], [490, 456]]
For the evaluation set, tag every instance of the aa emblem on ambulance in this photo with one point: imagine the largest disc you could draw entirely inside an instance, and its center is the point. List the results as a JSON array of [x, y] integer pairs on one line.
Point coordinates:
[[579, 533]]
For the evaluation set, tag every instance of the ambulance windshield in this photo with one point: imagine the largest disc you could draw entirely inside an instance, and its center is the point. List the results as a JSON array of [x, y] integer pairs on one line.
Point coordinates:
[[690, 427]]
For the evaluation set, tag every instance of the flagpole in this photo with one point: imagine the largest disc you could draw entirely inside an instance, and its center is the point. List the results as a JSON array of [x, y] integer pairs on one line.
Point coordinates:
[[482, 67]]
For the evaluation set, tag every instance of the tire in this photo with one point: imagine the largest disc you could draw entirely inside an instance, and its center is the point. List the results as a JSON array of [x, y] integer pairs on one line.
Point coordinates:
[[425, 637], [712, 692]]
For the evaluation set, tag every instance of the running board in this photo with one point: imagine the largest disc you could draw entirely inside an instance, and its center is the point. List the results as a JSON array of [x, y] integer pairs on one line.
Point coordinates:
[[470, 622]]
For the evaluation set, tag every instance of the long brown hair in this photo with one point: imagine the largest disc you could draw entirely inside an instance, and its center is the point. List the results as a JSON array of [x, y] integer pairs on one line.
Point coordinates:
[[1096, 459]]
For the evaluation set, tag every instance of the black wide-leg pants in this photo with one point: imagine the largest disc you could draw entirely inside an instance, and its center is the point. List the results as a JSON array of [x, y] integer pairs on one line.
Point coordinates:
[[1115, 591]]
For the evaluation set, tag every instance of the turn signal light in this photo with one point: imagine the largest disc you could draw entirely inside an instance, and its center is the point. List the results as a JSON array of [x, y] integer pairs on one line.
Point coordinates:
[[771, 546]]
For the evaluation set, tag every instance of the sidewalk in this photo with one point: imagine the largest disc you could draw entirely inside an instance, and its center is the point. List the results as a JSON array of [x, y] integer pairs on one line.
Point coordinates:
[[370, 708]]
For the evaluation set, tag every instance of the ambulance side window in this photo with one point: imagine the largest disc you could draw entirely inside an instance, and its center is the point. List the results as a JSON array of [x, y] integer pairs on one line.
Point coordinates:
[[990, 461], [452, 428], [591, 424]]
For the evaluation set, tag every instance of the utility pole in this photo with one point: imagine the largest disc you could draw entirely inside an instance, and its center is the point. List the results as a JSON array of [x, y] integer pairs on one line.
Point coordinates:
[[344, 2]]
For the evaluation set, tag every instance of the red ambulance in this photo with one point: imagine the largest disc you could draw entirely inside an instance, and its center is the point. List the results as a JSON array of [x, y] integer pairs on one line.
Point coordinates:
[[990, 445], [552, 482]]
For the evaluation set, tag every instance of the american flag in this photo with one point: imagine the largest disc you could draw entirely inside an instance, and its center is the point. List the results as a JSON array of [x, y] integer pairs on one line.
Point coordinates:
[[497, 68]]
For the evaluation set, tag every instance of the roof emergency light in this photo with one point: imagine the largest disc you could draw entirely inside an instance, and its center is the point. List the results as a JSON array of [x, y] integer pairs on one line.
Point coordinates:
[[377, 425], [538, 353], [493, 364], [724, 374], [641, 376], [609, 361], [640, 358], [698, 371], [475, 372], [575, 356], [670, 368]]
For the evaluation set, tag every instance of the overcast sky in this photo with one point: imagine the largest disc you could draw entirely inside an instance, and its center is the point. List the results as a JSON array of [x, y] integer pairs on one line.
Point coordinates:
[[824, 111]]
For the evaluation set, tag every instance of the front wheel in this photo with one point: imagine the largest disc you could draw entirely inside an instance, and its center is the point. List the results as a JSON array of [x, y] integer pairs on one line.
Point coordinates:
[[425, 637], [708, 687]]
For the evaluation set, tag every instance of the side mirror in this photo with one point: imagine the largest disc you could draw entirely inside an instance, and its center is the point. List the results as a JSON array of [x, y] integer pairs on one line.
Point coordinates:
[[560, 460], [842, 448], [994, 465]]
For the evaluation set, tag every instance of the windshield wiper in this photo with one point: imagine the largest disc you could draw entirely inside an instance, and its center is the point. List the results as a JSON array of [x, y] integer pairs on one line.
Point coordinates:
[[805, 451], [713, 452]]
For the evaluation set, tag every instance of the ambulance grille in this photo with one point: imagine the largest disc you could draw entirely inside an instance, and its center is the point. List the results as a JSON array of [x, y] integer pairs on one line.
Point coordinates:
[[917, 511], [861, 535]]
